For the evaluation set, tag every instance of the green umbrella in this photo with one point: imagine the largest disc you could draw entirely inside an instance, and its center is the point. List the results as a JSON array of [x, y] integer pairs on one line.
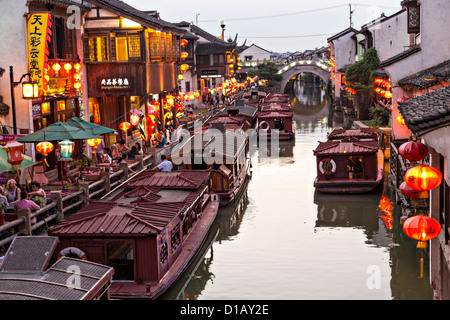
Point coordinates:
[[56, 132], [5, 166], [89, 126]]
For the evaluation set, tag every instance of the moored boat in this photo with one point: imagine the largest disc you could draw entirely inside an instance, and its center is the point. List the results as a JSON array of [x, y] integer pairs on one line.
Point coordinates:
[[225, 153], [350, 161], [149, 231]]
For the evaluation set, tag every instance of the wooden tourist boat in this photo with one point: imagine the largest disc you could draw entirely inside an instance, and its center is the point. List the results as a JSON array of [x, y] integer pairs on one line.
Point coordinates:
[[350, 161], [227, 157], [276, 117], [149, 231]]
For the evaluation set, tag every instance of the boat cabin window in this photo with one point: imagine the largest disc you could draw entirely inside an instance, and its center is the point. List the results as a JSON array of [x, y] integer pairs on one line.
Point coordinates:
[[279, 124], [355, 167], [120, 257]]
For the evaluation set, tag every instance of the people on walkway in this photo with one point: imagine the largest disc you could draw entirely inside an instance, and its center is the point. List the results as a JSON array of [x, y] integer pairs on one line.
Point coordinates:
[[37, 194], [3, 199], [159, 139], [121, 147], [24, 203], [106, 156], [12, 191], [165, 165], [38, 170]]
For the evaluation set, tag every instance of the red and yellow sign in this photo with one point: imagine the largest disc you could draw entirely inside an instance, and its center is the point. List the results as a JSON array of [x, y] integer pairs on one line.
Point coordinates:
[[38, 34]]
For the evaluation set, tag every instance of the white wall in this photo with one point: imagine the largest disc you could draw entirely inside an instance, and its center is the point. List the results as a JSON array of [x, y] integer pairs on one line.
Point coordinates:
[[435, 49], [13, 52], [258, 54]]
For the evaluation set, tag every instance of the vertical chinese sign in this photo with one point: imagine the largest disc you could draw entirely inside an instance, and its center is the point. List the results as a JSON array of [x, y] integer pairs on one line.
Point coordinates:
[[39, 34]]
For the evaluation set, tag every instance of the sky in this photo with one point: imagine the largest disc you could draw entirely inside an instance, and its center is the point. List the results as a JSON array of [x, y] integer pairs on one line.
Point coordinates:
[[277, 25]]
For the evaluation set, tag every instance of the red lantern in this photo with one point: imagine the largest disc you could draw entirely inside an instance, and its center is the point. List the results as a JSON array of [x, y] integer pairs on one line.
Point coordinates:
[[184, 55], [183, 42], [413, 150], [422, 228], [423, 178], [45, 147], [14, 154], [125, 126], [409, 192], [184, 67]]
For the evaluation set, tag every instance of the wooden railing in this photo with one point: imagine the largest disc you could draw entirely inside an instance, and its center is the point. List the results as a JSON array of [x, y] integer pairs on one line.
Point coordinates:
[[62, 206]]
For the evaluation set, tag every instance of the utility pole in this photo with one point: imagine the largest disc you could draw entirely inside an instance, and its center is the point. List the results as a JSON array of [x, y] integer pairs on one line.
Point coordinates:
[[351, 15], [196, 18]]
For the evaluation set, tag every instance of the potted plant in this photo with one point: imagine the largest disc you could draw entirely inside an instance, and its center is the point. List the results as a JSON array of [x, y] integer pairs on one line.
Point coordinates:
[[3, 208]]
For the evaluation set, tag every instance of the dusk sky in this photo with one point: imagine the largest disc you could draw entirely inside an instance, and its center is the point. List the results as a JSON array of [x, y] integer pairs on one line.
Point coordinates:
[[278, 26]]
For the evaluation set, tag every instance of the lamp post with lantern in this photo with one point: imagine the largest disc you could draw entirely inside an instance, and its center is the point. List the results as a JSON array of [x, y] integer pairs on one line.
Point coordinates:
[[30, 90]]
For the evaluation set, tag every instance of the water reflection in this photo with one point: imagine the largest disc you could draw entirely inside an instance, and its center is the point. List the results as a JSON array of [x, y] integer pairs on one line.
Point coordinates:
[[284, 240]]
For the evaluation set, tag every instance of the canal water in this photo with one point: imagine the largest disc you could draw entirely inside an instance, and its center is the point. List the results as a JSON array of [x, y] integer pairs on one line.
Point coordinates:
[[285, 241]]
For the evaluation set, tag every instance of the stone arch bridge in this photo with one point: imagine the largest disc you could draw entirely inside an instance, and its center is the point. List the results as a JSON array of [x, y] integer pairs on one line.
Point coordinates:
[[290, 71]]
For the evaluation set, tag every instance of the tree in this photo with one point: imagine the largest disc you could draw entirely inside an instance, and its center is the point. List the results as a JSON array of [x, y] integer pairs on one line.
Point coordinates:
[[266, 71], [359, 77]]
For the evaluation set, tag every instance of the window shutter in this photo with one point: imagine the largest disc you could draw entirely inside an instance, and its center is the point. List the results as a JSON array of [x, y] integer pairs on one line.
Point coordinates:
[[86, 51], [113, 47]]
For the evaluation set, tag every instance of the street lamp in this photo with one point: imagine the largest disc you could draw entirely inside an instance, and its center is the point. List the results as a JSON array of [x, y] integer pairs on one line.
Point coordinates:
[[30, 90]]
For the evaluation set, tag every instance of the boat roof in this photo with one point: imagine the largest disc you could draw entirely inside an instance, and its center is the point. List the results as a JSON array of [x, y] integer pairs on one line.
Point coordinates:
[[274, 114], [342, 133], [349, 147], [146, 205], [25, 273]]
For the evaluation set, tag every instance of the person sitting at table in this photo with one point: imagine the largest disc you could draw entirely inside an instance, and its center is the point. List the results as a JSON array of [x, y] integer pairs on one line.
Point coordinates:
[[121, 146], [123, 159], [12, 191], [159, 139], [132, 154], [24, 203], [114, 153], [37, 194], [106, 157]]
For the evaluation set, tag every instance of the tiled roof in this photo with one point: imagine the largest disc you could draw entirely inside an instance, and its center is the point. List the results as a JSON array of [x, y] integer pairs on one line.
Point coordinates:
[[399, 56], [274, 114], [427, 111], [207, 47], [337, 147], [52, 285], [341, 133], [428, 77], [85, 6], [185, 179], [130, 12]]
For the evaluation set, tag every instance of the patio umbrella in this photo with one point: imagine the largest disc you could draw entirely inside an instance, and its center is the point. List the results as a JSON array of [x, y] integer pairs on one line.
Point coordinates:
[[56, 132], [5, 166], [89, 126]]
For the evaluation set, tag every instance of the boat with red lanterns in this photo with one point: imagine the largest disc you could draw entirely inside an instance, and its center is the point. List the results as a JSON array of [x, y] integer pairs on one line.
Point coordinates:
[[149, 230], [350, 161]]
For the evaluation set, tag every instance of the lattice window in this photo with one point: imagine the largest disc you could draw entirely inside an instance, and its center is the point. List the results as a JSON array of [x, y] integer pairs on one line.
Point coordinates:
[[163, 254], [176, 237], [134, 47]]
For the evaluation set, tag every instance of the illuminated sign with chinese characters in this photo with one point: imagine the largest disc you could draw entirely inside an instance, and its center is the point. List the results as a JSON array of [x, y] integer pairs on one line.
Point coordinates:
[[38, 30], [112, 84]]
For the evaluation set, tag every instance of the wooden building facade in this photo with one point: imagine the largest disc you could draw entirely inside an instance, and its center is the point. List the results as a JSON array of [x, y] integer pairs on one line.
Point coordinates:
[[132, 58]]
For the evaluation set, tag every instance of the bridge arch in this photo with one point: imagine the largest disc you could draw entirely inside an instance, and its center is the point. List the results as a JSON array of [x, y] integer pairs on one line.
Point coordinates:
[[316, 67]]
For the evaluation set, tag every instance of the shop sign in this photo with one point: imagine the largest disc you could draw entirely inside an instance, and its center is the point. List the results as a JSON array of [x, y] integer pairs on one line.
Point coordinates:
[[210, 72], [36, 110], [38, 35], [115, 84]]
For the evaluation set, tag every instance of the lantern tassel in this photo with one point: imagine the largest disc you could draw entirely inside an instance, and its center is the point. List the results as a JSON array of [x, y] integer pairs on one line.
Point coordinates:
[[45, 160], [421, 244]]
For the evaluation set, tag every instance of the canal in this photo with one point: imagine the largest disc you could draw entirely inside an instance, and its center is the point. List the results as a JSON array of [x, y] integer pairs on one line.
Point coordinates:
[[285, 241]]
